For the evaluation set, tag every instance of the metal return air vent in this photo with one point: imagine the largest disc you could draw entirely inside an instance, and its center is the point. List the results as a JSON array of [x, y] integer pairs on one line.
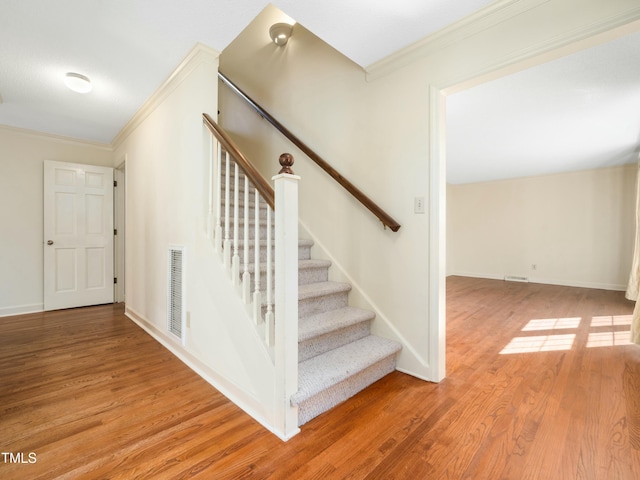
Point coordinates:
[[175, 292]]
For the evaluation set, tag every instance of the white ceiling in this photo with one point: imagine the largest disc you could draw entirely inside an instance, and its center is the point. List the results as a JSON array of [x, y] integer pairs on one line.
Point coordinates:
[[582, 108], [576, 113], [129, 47]]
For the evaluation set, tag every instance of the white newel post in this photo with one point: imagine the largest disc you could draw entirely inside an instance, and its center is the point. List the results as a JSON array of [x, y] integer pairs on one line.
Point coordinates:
[[286, 295]]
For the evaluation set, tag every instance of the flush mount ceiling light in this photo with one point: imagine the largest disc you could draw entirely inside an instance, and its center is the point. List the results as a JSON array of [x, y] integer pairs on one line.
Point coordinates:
[[280, 33], [77, 82]]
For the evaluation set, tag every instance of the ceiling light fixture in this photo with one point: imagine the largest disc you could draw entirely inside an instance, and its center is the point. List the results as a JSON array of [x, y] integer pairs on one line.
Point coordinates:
[[77, 82], [280, 33]]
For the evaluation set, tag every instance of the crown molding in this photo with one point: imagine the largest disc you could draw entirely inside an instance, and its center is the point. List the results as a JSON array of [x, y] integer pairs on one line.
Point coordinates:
[[55, 138], [596, 33], [493, 15], [200, 54], [484, 19]]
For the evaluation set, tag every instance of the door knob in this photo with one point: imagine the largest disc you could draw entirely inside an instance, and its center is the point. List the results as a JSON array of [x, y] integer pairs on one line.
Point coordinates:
[[49, 242]]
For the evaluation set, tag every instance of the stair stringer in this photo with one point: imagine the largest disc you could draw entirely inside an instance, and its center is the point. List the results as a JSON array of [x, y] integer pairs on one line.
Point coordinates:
[[409, 360]]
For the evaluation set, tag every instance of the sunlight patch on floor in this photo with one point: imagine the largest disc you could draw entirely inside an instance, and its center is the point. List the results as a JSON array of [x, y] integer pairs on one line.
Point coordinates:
[[611, 320], [609, 339], [609, 331], [539, 343], [552, 324]]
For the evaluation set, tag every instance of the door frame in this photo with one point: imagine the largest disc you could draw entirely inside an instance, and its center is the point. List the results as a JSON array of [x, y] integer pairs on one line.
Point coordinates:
[[119, 223], [569, 43]]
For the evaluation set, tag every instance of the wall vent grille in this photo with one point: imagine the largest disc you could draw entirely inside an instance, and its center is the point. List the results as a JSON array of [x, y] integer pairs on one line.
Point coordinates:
[[516, 278], [175, 297]]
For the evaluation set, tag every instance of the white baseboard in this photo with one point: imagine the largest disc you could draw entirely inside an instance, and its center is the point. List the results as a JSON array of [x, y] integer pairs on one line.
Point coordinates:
[[546, 281], [239, 397], [21, 309], [571, 283]]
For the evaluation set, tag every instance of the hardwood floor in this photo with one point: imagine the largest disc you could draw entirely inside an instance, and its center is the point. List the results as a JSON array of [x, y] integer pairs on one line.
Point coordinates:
[[535, 390]]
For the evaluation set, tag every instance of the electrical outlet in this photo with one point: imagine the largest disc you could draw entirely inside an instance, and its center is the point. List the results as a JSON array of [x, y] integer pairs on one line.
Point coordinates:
[[418, 205]]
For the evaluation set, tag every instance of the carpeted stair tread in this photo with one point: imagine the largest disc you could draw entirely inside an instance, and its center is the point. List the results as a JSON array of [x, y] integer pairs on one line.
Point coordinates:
[[302, 242], [262, 221], [309, 271], [330, 368], [327, 322], [302, 264], [314, 263], [320, 289]]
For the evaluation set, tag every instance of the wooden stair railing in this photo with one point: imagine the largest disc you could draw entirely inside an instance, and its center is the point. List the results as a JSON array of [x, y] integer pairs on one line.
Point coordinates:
[[383, 216], [266, 190]]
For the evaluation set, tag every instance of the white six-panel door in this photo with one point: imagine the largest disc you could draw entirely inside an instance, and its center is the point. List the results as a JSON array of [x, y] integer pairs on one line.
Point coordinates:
[[78, 235]]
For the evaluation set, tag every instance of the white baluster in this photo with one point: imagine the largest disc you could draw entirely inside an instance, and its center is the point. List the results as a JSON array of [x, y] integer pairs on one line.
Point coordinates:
[[218, 199], [235, 261], [269, 317], [257, 297], [226, 247], [246, 276], [210, 217]]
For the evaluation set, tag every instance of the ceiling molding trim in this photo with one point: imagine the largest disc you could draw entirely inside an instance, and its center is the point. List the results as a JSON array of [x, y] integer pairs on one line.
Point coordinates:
[[200, 54], [570, 42], [484, 19], [56, 138]]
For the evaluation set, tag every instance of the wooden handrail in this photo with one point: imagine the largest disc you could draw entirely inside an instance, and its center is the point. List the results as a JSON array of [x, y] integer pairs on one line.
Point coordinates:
[[266, 190], [383, 216]]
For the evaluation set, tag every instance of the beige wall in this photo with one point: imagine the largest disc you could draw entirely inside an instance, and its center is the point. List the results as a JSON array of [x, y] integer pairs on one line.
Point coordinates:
[[381, 130], [167, 171], [21, 209], [569, 229]]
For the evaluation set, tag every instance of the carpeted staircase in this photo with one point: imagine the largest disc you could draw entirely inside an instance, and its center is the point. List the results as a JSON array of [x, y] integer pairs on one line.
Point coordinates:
[[338, 356]]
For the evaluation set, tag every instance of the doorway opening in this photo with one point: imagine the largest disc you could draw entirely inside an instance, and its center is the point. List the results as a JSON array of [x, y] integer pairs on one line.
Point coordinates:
[[439, 97]]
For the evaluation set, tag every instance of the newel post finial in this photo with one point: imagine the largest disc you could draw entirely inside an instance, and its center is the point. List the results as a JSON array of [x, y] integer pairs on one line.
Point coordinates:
[[286, 161]]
